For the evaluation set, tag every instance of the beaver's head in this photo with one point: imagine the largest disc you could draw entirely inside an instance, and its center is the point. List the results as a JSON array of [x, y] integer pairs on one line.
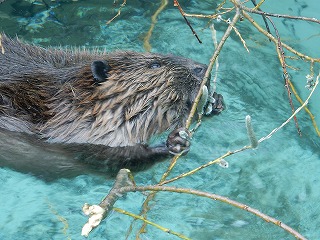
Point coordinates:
[[133, 96]]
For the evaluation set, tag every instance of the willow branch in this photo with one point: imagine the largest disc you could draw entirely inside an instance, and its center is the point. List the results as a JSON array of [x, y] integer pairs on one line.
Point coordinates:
[[167, 230], [252, 140], [273, 39], [176, 4], [210, 66], [280, 53], [118, 13], [305, 108], [294, 114], [105, 203], [215, 161], [212, 16], [257, 6], [242, 7]]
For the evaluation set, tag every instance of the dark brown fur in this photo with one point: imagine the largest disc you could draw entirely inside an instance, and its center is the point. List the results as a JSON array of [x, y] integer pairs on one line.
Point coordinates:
[[54, 94]]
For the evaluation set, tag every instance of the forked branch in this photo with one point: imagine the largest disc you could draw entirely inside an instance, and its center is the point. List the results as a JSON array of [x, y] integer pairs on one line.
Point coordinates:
[[124, 186]]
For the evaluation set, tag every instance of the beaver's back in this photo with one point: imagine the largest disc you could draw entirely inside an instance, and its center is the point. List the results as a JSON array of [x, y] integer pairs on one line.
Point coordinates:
[[21, 57]]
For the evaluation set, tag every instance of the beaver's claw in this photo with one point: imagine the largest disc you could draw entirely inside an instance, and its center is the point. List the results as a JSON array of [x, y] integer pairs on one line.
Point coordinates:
[[178, 141]]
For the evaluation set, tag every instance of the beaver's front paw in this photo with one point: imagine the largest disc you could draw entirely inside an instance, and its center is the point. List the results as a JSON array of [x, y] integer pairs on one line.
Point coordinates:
[[178, 141], [217, 105]]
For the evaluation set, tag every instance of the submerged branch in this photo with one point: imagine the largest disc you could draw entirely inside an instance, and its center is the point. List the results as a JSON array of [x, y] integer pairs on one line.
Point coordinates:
[[314, 124], [273, 39], [118, 13], [293, 115], [257, 6], [114, 193], [215, 161], [138, 217], [97, 213], [242, 7], [252, 136], [146, 40], [282, 60]]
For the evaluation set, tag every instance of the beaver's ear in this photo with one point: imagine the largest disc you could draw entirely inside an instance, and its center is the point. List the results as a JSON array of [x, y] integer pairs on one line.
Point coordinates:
[[100, 71]]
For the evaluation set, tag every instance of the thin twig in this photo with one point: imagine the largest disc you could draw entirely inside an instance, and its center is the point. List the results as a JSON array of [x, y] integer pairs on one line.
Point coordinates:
[[272, 38], [215, 161], [242, 7], [285, 72], [305, 108], [220, 6], [176, 4], [212, 16], [293, 115], [167, 230], [239, 35], [216, 197], [60, 218], [257, 6], [311, 68], [206, 77], [118, 13]]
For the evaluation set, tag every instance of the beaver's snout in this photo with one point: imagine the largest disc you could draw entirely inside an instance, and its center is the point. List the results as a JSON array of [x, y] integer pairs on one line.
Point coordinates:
[[198, 71]]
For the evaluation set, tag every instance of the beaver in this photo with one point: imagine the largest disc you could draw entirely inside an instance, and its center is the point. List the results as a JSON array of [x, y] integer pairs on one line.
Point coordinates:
[[100, 108]]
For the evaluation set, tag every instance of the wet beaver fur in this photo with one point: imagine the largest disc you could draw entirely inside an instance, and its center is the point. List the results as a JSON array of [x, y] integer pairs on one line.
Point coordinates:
[[100, 108]]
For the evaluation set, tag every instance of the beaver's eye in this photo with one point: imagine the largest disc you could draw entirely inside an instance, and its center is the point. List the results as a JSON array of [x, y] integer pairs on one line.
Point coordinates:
[[198, 70], [155, 65]]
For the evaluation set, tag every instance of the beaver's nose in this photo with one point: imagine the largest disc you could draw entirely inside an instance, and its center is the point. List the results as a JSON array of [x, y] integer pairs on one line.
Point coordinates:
[[199, 71]]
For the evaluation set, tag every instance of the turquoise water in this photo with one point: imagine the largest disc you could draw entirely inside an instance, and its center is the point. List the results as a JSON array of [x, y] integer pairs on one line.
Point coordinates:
[[280, 178]]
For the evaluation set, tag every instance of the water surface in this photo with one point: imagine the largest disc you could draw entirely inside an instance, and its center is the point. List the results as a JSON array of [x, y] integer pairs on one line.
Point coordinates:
[[280, 178]]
